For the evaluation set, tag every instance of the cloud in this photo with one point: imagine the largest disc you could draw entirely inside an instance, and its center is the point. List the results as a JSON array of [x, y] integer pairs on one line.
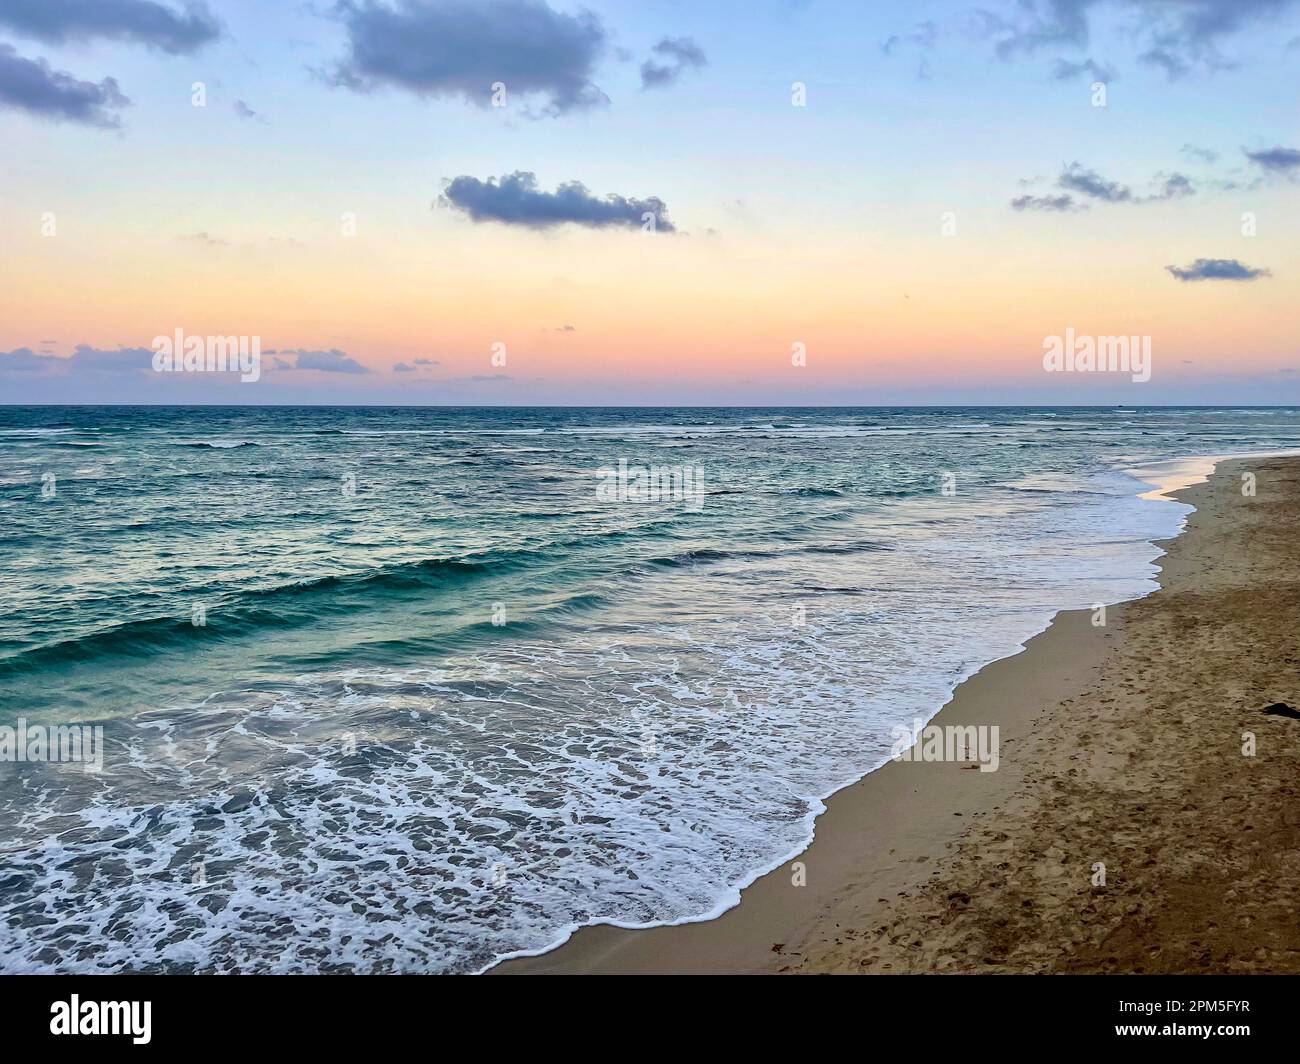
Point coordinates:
[[514, 199], [925, 34], [25, 360], [1172, 186], [84, 359], [1284, 161], [1065, 70], [1188, 35], [1201, 155], [1217, 270], [676, 55], [104, 360], [1078, 178], [415, 365], [1060, 204], [1066, 23], [462, 48], [31, 85], [331, 361], [1174, 66], [1176, 37], [244, 111], [137, 21], [922, 35]]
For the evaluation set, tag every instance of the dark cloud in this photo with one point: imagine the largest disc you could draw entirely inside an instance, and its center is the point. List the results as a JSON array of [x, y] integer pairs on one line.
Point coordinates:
[[1059, 204], [140, 21], [1065, 70], [25, 360], [673, 56], [1284, 161], [463, 47], [1177, 37], [244, 111], [31, 85], [1053, 24], [427, 362], [1201, 155], [331, 361], [1172, 186], [1174, 66], [1217, 270], [402, 367], [104, 360], [1188, 34], [1077, 178], [84, 359], [515, 199]]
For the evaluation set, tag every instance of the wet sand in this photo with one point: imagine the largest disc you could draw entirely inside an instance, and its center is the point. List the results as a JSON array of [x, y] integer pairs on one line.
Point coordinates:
[[1121, 753]]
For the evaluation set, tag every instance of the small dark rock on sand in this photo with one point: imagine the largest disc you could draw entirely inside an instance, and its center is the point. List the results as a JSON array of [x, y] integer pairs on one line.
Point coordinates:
[[1281, 709]]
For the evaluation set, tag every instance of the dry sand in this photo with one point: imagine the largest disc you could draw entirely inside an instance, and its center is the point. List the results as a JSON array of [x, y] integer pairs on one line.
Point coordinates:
[[1121, 745]]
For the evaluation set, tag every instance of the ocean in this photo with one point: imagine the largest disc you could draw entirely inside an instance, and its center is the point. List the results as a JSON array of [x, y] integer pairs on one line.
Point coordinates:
[[413, 690]]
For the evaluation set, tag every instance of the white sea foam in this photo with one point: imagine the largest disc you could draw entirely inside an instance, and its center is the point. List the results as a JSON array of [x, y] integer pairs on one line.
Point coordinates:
[[1173, 474]]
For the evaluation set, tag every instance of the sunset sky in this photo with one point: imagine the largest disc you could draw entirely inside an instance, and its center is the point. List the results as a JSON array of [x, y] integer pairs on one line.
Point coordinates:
[[128, 212]]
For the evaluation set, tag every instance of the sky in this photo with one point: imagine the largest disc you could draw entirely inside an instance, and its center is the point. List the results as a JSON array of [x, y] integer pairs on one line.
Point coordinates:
[[483, 202]]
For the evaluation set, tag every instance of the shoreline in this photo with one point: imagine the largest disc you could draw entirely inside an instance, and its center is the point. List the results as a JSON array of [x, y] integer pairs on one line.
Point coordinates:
[[883, 839]]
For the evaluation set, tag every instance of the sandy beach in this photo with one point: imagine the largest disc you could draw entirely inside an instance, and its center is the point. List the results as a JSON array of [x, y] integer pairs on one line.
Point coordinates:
[[1143, 816]]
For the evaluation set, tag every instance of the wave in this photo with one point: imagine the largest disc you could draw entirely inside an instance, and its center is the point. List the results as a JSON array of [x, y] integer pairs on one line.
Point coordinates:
[[280, 606], [689, 558], [832, 493]]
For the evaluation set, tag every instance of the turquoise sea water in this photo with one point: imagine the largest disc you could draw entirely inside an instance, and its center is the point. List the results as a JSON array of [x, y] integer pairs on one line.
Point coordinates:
[[446, 700]]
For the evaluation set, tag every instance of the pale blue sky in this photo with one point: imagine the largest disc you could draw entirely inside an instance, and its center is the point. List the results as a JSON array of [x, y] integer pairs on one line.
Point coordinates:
[[913, 109]]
